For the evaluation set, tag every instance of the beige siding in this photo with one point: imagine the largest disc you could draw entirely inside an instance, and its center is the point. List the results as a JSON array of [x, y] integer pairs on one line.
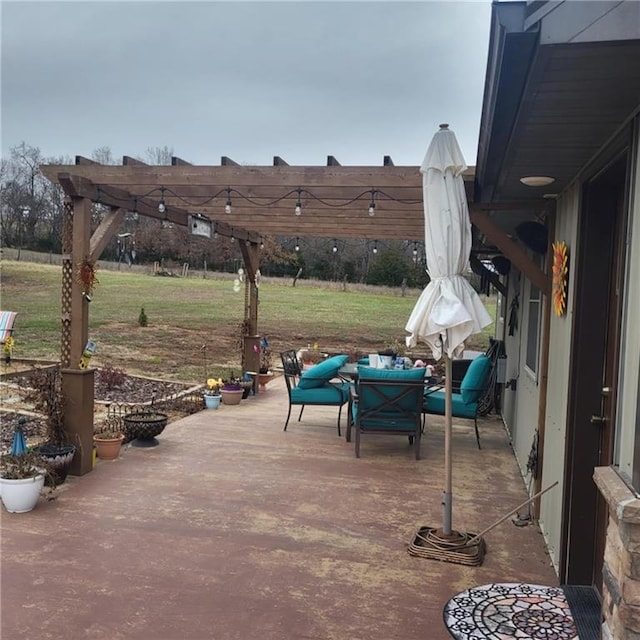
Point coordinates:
[[630, 351], [558, 383]]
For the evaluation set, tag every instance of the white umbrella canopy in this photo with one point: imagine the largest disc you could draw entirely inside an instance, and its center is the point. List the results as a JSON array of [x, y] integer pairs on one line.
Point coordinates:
[[448, 311]]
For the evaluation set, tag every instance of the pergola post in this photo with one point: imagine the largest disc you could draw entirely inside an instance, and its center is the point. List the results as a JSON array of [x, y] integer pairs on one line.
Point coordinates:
[[77, 383], [251, 355]]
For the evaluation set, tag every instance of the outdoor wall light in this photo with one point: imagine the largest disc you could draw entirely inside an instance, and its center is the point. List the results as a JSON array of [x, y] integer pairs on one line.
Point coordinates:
[[298, 209], [227, 206], [537, 181]]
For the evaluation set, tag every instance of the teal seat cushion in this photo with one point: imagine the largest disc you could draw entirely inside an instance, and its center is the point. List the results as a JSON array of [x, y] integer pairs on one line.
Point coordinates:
[[475, 379], [371, 373], [364, 360], [322, 372], [434, 403], [328, 393]]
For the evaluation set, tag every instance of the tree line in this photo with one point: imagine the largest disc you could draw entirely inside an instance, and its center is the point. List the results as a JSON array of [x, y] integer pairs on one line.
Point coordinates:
[[31, 218]]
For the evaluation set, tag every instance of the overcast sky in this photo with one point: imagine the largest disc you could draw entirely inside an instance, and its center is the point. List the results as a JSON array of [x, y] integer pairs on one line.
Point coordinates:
[[248, 80]]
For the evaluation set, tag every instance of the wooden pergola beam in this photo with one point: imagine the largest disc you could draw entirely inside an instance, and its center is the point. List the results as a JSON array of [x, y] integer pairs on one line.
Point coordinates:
[[479, 268], [78, 187], [109, 224], [511, 250], [128, 161]]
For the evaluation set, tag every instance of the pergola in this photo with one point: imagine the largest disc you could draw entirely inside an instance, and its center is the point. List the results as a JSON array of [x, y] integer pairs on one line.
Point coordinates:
[[247, 203]]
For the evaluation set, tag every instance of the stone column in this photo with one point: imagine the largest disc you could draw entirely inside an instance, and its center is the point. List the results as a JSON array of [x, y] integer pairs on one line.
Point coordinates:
[[621, 568]]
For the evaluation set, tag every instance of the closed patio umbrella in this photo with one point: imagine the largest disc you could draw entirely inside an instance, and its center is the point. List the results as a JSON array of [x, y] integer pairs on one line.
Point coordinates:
[[448, 311]]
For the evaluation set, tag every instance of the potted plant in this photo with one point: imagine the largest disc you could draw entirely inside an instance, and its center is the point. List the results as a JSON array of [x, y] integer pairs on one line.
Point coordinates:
[[232, 390], [108, 439], [212, 393], [22, 478], [266, 362], [45, 393]]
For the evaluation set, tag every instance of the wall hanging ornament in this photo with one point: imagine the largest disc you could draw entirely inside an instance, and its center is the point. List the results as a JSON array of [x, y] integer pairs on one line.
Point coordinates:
[[560, 272], [86, 275]]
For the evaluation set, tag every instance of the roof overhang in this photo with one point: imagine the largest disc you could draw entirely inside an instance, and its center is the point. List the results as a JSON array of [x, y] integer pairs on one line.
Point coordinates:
[[562, 79]]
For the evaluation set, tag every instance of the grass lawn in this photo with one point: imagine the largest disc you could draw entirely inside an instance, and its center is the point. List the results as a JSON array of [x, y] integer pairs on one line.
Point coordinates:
[[195, 321]]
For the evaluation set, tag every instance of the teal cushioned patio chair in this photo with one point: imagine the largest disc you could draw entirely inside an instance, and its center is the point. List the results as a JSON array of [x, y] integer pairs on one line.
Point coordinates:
[[314, 386], [387, 401], [465, 403]]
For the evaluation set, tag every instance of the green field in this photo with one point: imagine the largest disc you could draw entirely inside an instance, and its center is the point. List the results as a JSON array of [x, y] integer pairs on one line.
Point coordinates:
[[187, 314]]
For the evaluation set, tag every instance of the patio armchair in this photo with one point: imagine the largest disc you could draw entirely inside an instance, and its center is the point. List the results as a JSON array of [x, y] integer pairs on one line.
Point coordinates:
[[464, 404], [387, 401], [7, 318], [314, 386]]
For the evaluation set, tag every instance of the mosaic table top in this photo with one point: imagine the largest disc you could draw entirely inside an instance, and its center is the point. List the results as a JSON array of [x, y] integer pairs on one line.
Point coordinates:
[[510, 610]]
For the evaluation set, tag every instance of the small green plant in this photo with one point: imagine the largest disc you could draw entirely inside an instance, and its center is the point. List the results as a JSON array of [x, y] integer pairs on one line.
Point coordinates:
[[143, 321]]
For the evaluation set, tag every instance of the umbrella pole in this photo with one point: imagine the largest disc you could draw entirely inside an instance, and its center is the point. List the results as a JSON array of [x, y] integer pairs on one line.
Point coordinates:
[[448, 422]]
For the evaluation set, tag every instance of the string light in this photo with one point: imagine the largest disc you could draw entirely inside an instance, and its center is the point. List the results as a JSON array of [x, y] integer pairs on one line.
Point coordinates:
[[415, 249], [227, 206], [298, 209], [297, 244], [372, 204], [375, 246], [335, 246], [161, 205], [261, 242]]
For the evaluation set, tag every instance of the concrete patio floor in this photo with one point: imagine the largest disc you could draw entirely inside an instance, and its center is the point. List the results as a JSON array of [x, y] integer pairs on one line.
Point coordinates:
[[233, 529]]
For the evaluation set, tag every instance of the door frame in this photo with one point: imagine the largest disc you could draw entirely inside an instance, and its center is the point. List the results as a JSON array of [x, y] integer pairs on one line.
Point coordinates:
[[589, 444]]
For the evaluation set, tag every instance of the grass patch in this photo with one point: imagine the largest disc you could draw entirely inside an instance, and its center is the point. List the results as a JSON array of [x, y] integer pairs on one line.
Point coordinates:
[[190, 319]]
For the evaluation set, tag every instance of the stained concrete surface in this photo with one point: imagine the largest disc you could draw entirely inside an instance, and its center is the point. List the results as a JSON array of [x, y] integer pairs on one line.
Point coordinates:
[[233, 529]]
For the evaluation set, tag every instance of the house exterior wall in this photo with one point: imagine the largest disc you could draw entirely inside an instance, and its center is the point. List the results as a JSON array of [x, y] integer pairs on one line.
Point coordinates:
[[555, 430]]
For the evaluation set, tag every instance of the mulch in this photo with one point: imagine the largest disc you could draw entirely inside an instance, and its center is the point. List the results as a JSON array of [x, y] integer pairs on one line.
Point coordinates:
[[130, 389]]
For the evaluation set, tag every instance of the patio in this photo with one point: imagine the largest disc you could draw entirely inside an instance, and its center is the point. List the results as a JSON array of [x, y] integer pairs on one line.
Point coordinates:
[[232, 528]]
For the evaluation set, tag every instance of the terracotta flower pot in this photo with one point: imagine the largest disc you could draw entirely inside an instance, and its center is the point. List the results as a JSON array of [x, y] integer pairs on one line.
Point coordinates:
[[231, 396], [263, 379], [108, 448]]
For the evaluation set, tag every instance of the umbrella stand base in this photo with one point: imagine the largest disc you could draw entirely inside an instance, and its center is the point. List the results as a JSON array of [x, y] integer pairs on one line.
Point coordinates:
[[434, 544]]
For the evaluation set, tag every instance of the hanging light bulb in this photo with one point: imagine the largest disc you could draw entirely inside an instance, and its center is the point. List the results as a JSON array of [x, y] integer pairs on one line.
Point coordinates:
[[372, 204], [298, 209], [262, 243], [375, 246], [297, 244], [415, 249], [161, 205], [335, 246], [227, 206]]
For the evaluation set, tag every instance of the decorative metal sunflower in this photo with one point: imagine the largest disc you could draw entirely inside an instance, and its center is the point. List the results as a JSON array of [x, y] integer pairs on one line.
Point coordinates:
[[560, 272]]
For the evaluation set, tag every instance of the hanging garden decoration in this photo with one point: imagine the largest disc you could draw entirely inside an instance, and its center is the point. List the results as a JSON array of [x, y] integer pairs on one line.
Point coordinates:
[[87, 275], [560, 271]]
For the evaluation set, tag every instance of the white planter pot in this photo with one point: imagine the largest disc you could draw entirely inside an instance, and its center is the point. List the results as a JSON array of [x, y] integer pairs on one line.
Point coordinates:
[[19, 496]]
